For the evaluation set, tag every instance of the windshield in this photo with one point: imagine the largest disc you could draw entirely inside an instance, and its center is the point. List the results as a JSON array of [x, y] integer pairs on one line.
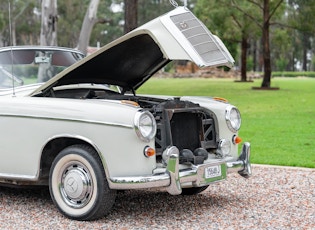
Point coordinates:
[[28, 66]]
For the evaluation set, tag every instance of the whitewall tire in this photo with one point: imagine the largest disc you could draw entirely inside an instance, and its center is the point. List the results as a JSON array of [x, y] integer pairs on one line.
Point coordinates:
[[78, 185]]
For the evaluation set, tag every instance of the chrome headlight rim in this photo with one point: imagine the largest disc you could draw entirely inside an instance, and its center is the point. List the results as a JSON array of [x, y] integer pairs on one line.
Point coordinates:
[[233, 118], [145, 125]]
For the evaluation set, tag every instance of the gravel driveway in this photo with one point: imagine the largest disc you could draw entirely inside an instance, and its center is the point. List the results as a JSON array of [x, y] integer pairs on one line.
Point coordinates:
[[273, 198]]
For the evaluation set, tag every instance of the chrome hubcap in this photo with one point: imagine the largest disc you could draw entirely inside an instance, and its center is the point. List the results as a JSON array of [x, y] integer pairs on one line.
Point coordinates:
[[76, 185]]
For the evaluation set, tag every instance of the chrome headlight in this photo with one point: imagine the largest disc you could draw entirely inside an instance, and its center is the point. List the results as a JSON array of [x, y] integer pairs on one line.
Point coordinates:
[[145, 125], [233, 118]]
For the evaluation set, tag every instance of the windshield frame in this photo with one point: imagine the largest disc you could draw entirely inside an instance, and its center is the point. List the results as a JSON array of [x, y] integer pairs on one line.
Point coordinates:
[[25, 65]]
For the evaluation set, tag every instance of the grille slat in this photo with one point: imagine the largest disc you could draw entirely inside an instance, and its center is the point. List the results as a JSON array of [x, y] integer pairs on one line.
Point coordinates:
[[201, 40]]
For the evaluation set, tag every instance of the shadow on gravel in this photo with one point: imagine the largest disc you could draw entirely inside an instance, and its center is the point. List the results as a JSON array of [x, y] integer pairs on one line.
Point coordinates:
[[129, 204], [40, 192], [151, 204]]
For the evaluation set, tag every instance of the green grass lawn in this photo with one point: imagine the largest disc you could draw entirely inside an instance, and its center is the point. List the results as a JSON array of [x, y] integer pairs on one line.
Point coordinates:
[[279, 124]]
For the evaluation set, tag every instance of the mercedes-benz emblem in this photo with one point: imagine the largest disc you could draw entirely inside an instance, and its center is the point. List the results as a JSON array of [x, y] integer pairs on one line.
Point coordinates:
[[72, 184], [183, 25]]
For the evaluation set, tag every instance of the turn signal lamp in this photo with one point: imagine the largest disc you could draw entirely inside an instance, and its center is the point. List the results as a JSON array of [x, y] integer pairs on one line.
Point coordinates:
[[132, 103], [237, 140], [221, 99], [149, 152]]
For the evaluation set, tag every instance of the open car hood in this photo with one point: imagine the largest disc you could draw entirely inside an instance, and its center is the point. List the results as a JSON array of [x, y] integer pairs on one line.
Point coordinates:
[[133, 58]]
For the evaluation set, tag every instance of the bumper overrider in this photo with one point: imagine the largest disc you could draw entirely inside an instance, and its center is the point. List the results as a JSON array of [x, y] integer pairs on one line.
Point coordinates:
[[174, 179]]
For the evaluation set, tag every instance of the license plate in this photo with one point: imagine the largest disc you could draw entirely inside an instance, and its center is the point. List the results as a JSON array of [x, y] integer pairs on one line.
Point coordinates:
[[212, 171]]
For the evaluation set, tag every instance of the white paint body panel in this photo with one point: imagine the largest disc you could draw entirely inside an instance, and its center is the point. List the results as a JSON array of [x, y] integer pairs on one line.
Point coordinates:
[[29, 123]]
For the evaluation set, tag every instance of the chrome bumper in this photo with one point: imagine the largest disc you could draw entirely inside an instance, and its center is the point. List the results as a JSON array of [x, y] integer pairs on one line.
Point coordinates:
[[173, 178]]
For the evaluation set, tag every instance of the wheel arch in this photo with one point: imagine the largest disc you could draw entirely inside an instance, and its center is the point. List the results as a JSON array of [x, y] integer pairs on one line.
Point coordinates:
[[58, 143]]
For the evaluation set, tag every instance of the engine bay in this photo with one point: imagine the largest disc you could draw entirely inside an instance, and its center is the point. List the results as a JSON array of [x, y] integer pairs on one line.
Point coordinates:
[[183, 124]]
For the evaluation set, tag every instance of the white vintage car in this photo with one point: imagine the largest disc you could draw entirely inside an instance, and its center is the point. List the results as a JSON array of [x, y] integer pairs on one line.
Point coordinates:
[[86, 133]]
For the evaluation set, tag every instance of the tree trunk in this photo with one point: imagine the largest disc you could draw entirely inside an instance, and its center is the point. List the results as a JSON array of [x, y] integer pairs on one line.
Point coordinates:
[[89, 21], [254, 55], [266, 48], [131, 12], [13, 31], [305, 49], [304, 67], [48, 35], [244, 58]]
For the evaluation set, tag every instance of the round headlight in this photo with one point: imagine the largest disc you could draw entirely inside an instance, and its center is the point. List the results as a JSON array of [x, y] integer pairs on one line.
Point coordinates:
[[233, 118], [145, 125]]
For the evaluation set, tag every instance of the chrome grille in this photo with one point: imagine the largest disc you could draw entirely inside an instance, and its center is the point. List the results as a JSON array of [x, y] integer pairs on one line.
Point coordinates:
[[202, 41]]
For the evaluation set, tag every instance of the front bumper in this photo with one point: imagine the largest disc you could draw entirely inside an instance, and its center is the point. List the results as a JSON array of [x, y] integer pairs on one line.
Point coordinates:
[[173, 179]]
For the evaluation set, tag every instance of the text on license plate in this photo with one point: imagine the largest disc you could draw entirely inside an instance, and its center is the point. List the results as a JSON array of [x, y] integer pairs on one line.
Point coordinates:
[[213, 171]]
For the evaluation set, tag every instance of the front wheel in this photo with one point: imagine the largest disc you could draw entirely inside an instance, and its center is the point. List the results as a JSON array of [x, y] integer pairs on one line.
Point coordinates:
[[78, 185]]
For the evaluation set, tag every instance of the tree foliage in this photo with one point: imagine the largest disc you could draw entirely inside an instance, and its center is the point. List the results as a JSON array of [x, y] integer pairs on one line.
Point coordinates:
[[233, 26], [237, 22], [255, 24], [23, 24], [301, 17]]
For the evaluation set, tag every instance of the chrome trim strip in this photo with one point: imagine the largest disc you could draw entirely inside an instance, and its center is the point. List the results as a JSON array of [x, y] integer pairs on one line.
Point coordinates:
[[69, 120], [9, 176], [35, 48], [154, 181]]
